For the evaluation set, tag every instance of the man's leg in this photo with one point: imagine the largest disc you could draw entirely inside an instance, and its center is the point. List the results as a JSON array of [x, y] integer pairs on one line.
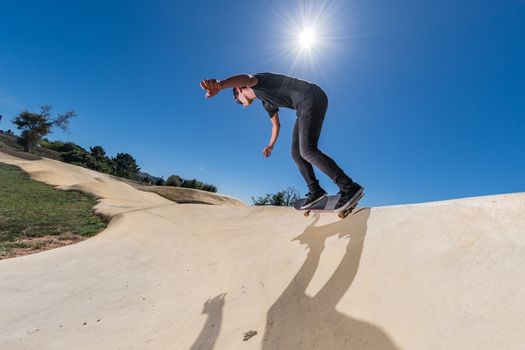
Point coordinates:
[[305, 168], [309, 124], [316, 193]]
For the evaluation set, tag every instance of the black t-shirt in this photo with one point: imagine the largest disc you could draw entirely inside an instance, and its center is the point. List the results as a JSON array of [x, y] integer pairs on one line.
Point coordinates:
[[278, 90]]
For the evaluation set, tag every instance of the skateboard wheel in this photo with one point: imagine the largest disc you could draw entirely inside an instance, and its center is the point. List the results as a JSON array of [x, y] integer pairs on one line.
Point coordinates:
[[344, 214], [307, 213]]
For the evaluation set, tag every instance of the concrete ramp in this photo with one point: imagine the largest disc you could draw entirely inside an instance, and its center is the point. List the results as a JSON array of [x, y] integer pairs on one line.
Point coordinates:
[[443, 275]]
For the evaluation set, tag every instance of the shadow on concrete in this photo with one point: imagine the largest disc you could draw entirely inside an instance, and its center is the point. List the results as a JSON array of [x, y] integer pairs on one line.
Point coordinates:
[[298, 321], [212, 327]]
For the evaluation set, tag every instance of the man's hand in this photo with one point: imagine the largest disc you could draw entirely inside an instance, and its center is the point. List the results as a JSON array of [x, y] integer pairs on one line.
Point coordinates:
[[212, 87], [267, 151]]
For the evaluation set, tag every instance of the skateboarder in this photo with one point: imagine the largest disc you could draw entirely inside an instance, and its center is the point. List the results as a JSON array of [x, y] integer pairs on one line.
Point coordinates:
[[310, 102]]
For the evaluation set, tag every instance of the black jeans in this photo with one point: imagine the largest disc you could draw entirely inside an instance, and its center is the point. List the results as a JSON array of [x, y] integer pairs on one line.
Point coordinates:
[[306, 132]]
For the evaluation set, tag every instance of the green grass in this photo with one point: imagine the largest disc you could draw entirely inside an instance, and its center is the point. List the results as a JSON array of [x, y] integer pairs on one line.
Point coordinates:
[[33, 214]]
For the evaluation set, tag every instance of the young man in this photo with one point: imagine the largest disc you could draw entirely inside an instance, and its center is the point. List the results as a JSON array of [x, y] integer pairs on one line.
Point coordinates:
[[310, 102]]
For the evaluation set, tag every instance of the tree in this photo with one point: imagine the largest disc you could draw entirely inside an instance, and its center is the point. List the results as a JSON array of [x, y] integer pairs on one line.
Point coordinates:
[[174, 180], [209, 188], [34, 126], [284, 198], [160, 182], [190, 183], [177, 181], [101, 162], [98, 152], [124, 165]]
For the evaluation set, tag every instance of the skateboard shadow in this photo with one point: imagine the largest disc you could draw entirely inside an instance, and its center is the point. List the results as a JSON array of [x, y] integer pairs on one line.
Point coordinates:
[[211, 329], [298, 321]]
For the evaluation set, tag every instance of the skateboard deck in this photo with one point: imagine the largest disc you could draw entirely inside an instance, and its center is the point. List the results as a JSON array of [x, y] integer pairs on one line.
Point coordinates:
[[327, 205]]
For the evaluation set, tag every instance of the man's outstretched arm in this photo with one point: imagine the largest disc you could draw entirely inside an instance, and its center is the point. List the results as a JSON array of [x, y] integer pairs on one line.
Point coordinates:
[[214, 86], [241, 80]]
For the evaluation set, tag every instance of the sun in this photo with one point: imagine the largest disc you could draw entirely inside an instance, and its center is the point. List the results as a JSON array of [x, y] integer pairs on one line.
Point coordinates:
[[307, 38]]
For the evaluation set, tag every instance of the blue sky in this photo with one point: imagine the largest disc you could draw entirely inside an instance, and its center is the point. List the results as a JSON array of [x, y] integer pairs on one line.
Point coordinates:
[[426, 98]]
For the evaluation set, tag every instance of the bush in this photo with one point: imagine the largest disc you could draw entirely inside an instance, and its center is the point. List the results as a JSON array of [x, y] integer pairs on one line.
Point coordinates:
[[78, 157], [284, 198], [177, 181], [174, 180]]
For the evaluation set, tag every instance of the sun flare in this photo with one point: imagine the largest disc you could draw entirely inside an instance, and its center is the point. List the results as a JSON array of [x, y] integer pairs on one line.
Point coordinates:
[[308, 35], [307, 38]]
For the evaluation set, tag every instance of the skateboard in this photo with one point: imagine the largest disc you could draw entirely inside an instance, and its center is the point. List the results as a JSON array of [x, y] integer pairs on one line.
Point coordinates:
[[327, 205]]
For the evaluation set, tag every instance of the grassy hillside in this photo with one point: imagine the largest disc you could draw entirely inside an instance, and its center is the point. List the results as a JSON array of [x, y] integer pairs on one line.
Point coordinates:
[[10, 144], [35, 216]]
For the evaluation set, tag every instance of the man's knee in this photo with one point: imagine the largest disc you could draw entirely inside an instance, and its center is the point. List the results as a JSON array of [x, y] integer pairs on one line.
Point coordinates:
[[308, 152], [296, 155]]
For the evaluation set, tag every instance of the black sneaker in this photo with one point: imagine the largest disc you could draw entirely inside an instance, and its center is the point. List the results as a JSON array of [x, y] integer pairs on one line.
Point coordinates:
[[348, 197], [313, 197]]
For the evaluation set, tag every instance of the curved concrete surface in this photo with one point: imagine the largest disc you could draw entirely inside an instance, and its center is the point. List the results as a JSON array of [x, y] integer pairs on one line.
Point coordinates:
[[443, 275]]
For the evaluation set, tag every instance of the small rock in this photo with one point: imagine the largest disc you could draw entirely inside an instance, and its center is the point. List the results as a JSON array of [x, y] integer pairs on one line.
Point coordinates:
[[249, 334]]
